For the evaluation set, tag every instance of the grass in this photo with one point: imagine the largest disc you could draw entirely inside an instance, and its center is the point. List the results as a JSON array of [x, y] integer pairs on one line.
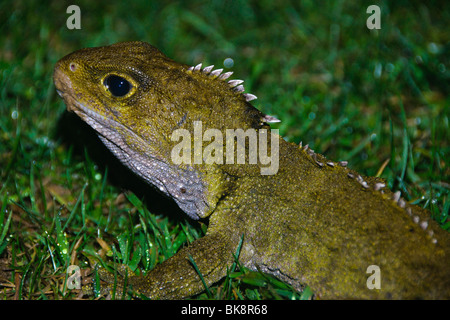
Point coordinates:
[[375, 98]]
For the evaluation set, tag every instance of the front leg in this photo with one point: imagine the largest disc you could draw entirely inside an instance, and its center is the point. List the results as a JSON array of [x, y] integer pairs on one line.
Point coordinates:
[[176, 277]]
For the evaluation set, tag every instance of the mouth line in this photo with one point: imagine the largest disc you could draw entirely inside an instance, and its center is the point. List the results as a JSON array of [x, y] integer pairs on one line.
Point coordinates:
[[108, 128], [104, 126], [136, 152]]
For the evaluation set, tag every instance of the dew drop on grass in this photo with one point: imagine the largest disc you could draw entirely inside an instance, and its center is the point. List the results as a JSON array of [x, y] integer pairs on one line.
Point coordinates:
[[14, 114], [433, 48], [228, 63], [378, 70]]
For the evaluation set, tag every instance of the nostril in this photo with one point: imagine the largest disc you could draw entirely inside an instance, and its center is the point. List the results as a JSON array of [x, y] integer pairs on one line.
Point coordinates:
[[73, 66]]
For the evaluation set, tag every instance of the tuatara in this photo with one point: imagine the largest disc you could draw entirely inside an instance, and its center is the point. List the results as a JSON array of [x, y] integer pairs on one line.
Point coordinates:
[[312, 221]]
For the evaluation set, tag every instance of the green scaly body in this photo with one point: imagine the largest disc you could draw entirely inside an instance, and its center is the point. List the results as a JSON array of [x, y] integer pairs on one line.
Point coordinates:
[[315, 222]]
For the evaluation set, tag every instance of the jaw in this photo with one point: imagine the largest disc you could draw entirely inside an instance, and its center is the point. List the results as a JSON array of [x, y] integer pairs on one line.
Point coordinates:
[[185, 185]]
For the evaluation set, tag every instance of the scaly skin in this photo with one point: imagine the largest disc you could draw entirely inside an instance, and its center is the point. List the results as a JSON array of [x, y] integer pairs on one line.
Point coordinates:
[[315, 222]]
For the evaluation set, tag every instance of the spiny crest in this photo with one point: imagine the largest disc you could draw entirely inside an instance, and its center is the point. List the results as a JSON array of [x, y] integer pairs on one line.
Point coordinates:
[[377, 186], [236, 85]]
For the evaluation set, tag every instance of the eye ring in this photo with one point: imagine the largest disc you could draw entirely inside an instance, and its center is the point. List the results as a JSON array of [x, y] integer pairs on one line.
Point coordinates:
[[117, 85]]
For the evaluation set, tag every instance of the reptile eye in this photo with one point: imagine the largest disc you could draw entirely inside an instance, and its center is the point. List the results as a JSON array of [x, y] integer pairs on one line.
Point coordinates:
[[118, 86]]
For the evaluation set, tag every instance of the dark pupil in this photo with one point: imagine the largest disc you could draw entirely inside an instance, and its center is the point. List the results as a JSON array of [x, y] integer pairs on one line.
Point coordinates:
[[118, 86]]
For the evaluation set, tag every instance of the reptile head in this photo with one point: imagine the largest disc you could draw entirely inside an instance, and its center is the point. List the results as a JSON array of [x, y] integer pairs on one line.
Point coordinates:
[[135, 98], [135, 85]]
